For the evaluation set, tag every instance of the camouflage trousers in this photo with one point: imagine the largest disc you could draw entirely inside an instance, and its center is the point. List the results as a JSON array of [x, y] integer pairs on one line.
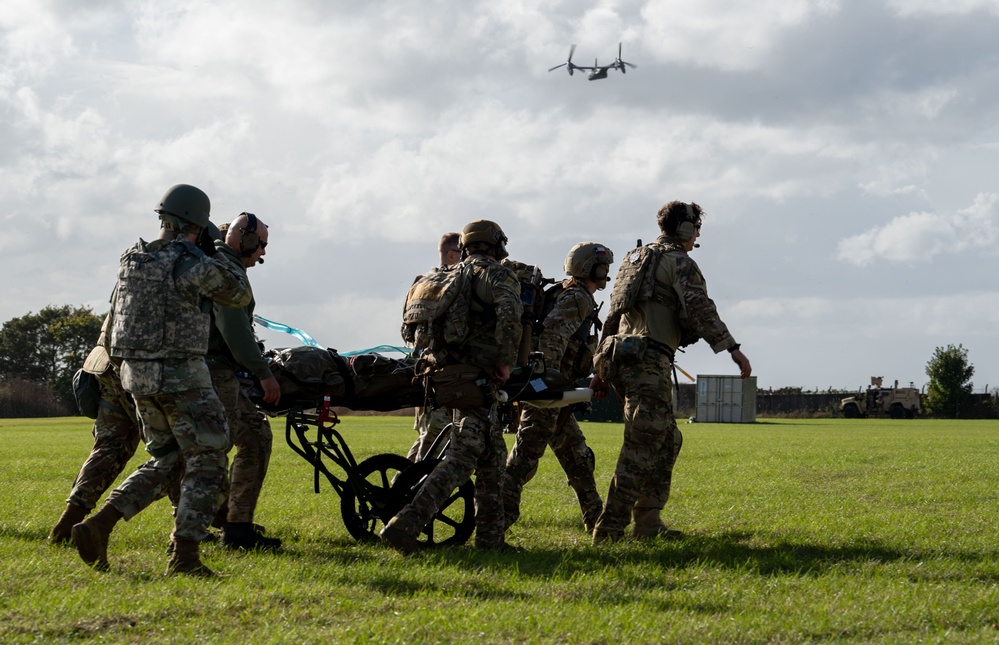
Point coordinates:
[[640, 486], [539, 429], [116, 436], [187, 439], [253, 439], [429, 424], [477, 446]]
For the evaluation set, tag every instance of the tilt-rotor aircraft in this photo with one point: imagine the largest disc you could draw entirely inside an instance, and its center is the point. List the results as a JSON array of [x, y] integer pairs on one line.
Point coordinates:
[[597, 71]]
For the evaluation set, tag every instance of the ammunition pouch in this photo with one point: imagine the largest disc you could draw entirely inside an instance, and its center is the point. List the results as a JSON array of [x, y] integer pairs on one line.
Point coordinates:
[[615, 352], [460, 386]]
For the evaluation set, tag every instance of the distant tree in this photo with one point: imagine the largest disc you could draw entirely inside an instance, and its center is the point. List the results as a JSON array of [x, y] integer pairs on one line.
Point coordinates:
[[48, 347], [950, 381]]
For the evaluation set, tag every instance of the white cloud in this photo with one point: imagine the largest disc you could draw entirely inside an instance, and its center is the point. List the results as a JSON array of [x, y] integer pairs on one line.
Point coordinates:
[[918, 237], [726, 35], [911, 8]]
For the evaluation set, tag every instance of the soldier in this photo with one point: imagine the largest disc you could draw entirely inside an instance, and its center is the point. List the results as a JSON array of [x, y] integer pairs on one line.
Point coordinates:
[[567, 344], [477, 444], [159, 332], [116, 436], [233, 358], [659, 303], [430, 422]]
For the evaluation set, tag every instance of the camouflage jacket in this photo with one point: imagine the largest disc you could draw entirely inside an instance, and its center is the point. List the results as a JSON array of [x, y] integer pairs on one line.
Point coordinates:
[[232, 343], [681, 312], [494, 315], [159, 314], [563, 334]]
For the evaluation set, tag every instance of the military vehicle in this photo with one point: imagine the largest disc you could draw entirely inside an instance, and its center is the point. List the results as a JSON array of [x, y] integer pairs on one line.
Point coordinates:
[[895, 402]]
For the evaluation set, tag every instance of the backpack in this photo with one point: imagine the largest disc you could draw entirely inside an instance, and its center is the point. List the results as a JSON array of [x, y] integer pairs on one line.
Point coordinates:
[[578, 358], [436, 311], [635, 278]]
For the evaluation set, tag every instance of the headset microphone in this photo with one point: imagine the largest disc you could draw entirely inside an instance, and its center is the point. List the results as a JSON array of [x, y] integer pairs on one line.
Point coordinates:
[[697, 246]]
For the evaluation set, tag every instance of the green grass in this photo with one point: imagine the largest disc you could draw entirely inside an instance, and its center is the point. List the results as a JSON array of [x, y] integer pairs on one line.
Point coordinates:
[[859, 531]]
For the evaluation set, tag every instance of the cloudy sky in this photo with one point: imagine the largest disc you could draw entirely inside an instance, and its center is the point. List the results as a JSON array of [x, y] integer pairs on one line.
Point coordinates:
[[845, 152]]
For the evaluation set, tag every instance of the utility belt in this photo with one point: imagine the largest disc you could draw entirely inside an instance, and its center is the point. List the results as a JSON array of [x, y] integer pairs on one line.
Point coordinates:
[[461, 385], [622, 350]]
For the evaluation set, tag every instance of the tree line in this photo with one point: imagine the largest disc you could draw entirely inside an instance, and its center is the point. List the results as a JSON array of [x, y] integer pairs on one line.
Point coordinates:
[[40, 353]]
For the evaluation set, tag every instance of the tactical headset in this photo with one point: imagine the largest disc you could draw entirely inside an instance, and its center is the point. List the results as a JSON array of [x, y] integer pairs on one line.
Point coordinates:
[[686, 229], [250, 241]]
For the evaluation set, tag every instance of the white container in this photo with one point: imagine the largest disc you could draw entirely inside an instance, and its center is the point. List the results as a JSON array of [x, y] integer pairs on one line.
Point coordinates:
[[726, 399]]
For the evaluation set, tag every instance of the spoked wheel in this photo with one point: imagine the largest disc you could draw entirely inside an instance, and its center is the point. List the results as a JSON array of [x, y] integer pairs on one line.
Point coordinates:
[[364, 515], [454, 522]]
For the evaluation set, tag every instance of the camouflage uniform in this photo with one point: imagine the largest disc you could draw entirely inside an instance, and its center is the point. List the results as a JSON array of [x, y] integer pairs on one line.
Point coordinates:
[[116, 436], [477, 443], [429, 422], [640, 486], [232, 348], [160, 333], [566, 334]]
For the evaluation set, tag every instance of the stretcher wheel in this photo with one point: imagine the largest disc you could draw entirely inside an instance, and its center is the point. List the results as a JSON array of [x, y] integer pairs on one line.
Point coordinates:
[[454, 522], [364, 515]]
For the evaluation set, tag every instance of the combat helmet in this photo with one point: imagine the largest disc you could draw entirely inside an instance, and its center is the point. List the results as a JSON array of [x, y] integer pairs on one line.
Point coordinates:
[[484, 232], [187, 203], [589, 260]]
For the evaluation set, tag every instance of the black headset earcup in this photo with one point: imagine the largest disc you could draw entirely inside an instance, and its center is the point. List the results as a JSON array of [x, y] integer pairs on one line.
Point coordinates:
[[250, 242]]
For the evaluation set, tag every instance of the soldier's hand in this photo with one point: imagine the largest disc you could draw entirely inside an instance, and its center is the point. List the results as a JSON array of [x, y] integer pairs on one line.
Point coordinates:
[[272, 391], [600, 389], [501, 373], [745, 369]]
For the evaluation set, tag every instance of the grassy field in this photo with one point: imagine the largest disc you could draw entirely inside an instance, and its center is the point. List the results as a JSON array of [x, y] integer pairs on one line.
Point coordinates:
[[858, 531]]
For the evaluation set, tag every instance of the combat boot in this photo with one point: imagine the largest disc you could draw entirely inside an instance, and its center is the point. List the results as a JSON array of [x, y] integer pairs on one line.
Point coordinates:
[[185, 560], [397, 538], [62, 532], [648, 526], [592, 506], [91, 536], [600, 536], [246, 536]]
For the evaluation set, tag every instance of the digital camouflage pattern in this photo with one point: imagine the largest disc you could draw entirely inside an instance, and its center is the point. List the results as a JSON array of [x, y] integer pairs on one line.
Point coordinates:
[[678, 312], [252, 437], [561, 343], [187, 438], [152, 322], [183, 421], [116, 436]]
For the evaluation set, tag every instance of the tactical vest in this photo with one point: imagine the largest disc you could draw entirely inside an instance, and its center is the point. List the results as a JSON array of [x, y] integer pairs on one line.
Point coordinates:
[[151, 318], [649, 306], [435, 315]]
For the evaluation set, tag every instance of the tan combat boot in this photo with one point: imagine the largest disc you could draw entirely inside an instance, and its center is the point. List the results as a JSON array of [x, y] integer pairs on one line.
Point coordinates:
[[648, 526], [91, 536], [394, 536], [185, 560], [62, 532]]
